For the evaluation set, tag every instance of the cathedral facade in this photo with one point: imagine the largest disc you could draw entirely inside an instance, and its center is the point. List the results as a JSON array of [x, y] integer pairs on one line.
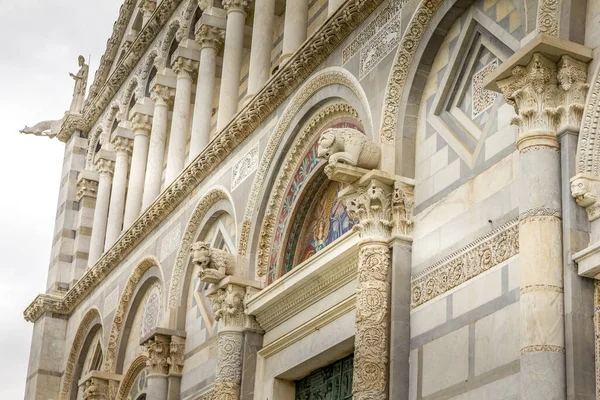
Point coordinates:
[[328, 199]]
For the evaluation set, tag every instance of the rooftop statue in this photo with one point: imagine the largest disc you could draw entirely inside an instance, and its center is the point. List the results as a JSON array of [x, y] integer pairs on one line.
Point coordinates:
[[80, 85]]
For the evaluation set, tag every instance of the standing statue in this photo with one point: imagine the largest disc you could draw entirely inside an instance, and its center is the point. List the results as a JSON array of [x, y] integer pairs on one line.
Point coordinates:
[[80, 85]]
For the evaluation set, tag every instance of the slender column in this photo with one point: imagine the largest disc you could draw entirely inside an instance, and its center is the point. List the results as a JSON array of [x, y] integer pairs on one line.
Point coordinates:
[[161, 95], [184, 68], [232, 60], [157, 347], [105, 163], [262, 44], [122, 146], [541, 94], [294, 28], [147, 7], [333, 5], [141, 125], [210, 40]]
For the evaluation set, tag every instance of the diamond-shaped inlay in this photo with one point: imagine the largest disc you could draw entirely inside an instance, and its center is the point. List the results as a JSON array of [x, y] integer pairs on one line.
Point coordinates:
[[482, 99]]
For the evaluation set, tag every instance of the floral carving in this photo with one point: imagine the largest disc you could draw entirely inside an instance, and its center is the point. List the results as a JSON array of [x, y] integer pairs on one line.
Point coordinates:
[[209, 36], [548, 13], [158, 353], [176, 355], [229, 366]]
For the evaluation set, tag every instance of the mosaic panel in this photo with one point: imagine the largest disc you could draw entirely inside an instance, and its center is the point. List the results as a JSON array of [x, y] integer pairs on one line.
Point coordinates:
[[244, 167], [482, 99], [151, 314], [389, 12]]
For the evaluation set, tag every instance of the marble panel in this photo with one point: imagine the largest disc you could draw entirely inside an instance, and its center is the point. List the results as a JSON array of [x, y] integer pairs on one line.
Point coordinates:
[[497, 339], [446, 361]]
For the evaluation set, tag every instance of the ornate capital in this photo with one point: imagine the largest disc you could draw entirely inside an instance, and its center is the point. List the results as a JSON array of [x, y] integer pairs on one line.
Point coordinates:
[[162, 95], [122, 145], [87, 186], [97, 385], [572, 78], [209, 36], [228, 306], [176, 355], [371, 207], [104, 166], [158, 352], [141, 123], [586, 191], [402, 209], [236, 5], [185, 68]]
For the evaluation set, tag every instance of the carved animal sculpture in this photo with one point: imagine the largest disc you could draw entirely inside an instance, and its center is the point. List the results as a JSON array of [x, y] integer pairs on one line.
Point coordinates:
[[581, 191], [348, 146], [214, 264], [48, 128]]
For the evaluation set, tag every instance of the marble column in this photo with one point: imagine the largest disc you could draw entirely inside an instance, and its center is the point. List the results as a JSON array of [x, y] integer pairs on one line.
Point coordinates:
[[157, 347], [542, 95], [294, 28], [141, 125], [104, 165], [185, 69], [232, 60], [147, 8], [122, 144], [262, 44], [210, 40], [162, 96]]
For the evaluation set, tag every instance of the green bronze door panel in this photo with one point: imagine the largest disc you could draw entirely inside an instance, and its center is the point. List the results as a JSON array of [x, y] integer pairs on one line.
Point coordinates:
[[333, 382]]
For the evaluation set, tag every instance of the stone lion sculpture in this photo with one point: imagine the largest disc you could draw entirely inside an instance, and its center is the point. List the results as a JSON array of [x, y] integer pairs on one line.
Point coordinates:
[[581, 191], [48, 128], [214, 264], [348, 146]]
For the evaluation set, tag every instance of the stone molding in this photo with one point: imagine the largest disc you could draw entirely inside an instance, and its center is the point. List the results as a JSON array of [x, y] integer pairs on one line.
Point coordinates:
[[463, 265], [304, 139], [310, 55]]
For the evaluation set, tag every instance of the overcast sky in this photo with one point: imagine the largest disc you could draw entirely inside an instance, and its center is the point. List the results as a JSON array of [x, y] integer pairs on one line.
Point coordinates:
[[39, 43]]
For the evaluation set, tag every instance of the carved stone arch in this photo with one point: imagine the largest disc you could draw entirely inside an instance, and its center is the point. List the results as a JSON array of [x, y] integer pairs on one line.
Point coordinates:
[[165, 45], [144, 73], [95, 139], [130, 91], [90, 323], [308, 92], [304, 139], [136, 366], [130, 292], [187, 16], [178, 281]]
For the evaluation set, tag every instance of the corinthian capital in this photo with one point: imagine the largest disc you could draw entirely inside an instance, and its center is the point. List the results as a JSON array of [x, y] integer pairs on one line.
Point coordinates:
[[371, 207], [157, 348], [162, 95], [105, 163], [402, 209], [209, 36], [572, 78], [184, 67], [141, 123], [228, 305], [176, 355], [87, 184], [236, 5], [122, 144]]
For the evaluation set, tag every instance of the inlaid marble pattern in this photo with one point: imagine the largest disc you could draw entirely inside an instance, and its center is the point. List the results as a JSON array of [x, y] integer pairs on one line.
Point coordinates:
[[244, 167], [380, 45], [482, 99], [151, 314]]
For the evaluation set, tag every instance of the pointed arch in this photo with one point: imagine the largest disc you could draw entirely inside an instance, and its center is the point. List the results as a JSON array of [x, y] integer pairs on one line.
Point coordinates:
[[90, 320], [116, 330], [136, 366], [309, 91]]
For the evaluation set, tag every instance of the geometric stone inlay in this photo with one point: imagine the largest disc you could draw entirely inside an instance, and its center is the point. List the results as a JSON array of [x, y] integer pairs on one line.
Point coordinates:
[[244, 167], [482, 98], [151, 314]]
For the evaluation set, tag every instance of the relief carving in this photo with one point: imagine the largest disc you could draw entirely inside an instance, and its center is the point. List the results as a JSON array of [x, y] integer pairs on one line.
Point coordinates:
[[348, 146], [214, 264]]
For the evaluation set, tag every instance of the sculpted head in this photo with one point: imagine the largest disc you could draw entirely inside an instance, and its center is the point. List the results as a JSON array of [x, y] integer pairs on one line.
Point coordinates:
[[579, 187], [81, 60], [326, 142], [201, 255]]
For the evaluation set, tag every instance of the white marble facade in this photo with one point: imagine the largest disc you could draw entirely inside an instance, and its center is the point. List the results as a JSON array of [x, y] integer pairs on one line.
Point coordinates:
[[260, 193]]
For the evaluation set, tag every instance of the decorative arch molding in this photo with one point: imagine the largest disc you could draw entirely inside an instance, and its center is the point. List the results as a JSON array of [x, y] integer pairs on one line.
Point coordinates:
[[186, 17], [136, 366], [322, 79], [144, 72], [116, 330], [191, 229], [588, 145], [91, 150], [293, 158], [130, 90], [165, 45], [91, 318]]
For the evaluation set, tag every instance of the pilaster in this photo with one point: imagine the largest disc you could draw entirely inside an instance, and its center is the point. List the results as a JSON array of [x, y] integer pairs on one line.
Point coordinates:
[[104, 166], [87, 191]]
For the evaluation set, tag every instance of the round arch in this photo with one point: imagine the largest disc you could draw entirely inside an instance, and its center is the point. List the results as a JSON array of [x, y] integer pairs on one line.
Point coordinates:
[[313, 90], [180, 270], [90, 323], [94, 141], [187, 19], [307, 136], [136, 366], [167, 41], [130, 291], [144, 73], [129, 93]]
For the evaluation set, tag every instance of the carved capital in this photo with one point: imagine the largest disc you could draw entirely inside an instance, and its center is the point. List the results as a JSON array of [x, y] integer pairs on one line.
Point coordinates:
[[176, 355], [141, 124], [214, 264], [104, 166], [95, 389], [371, 207], [402, 209], [185, 68], [87, 185], [572, 78], [209, 36], [122, 145], [228, 306], [586, 191], [236, 5], [162, 95], [157, 349]]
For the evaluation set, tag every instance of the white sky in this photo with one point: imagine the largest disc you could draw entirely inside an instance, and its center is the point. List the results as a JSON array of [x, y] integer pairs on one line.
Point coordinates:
[[39, 44]]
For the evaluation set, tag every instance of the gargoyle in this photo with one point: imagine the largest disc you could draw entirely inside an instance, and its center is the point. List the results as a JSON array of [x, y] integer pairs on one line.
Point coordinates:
[[48, 128], [348, 146], [214, 264], [581, 191]]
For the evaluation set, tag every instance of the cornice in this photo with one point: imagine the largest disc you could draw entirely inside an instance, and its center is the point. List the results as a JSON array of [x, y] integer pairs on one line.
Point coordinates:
[[281, 85]]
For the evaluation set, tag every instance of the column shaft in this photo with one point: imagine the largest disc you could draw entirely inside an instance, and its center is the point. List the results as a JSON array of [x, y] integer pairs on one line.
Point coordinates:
[[229, 365], [119, 191], [139, 159], [232, 66], [181, 117], [262, 44], [104, 168], [156, 153], [158, 387], [294, 28]]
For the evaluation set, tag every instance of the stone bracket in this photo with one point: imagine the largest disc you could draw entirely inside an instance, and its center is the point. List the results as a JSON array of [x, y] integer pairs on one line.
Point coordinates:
[[588, 261]]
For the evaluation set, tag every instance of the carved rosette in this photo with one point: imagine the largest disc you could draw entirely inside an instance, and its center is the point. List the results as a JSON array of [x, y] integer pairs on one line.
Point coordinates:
[[176, 355], [229, 366], [209, 36], [162, 95], [141, 124], [185, 68], [236, 5], [104, 166], [158, 352]]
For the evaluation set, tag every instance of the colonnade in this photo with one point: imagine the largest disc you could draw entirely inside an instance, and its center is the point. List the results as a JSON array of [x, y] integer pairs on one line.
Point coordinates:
[[131, 177]]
